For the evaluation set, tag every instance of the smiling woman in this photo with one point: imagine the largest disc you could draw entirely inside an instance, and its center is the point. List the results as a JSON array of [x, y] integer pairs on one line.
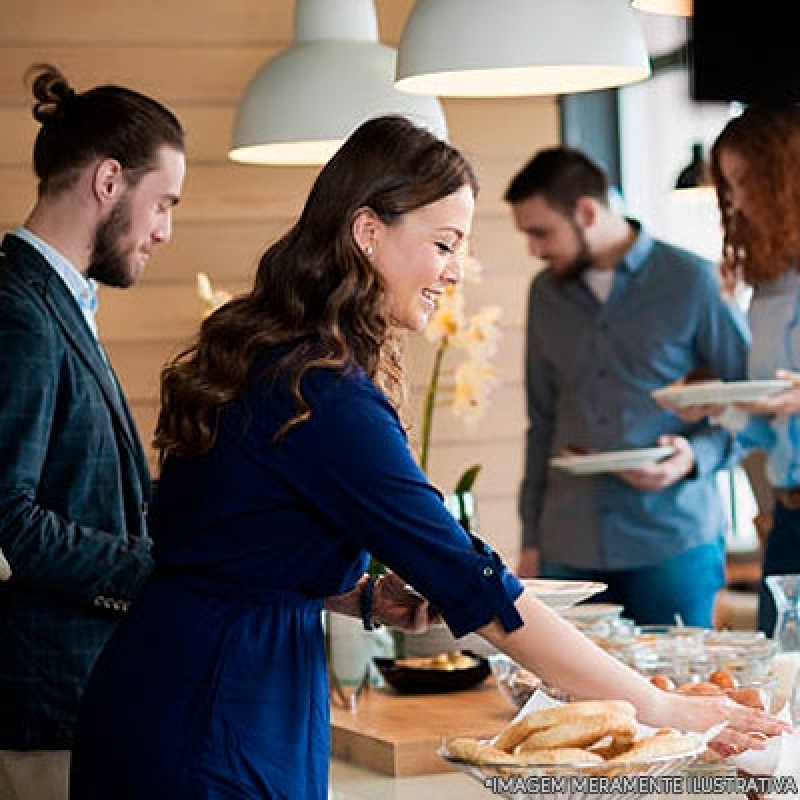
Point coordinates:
[[417, 255], [277, 426]]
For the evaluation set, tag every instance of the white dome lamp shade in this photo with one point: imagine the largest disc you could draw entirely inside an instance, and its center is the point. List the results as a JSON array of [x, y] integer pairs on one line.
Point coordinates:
[[508, 48], [302, 104], [677, 8]]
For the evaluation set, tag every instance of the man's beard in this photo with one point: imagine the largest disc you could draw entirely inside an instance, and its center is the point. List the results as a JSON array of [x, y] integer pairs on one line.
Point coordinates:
[[109, 263], [582, 261]]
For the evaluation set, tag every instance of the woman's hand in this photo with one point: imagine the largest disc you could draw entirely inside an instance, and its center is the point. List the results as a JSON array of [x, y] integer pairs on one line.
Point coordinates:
[[398, 605], [784, 402], [745, 729]]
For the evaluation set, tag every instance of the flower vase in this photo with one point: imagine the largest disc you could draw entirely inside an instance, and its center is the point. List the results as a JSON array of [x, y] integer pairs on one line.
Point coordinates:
[[352, 648], [463, 507]]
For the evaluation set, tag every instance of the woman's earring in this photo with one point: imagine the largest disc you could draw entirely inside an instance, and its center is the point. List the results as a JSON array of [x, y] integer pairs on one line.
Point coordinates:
[[368, 251]]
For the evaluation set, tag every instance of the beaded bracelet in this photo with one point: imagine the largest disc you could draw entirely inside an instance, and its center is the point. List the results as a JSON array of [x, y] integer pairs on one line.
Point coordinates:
[[367, 602]]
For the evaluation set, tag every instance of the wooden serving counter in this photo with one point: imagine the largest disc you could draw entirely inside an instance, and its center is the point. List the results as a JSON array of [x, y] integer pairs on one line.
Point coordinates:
[[399, 735]]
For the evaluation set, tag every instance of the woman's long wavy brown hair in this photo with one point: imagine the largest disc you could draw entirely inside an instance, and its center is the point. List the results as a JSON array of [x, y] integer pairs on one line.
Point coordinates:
[[315, 292], [765, 244]]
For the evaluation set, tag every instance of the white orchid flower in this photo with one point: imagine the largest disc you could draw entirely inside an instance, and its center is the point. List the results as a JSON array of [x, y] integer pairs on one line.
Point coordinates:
[[474, 383], [212, 298], [448, 319], [482, 336]]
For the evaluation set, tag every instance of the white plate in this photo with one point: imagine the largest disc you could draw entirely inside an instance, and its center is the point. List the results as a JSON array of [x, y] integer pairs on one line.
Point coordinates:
[[613, 461], [590, 612], [560, 594], [720, 392]]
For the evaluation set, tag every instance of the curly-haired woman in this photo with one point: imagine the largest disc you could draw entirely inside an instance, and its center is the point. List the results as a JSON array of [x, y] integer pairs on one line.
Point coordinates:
[[755, 166]]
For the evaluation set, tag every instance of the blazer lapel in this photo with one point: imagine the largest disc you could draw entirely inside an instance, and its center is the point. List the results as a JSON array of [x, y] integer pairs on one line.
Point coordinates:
[[73, 325], [77, 332]]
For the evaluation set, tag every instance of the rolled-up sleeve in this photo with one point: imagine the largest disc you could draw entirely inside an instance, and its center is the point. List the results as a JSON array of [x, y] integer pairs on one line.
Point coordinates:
[[496, 586]]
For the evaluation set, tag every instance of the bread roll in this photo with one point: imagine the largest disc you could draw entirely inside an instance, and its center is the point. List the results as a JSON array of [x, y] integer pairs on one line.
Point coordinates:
[[518, 731], [661, 744], [475, 752], [561, 755], [582, 731]]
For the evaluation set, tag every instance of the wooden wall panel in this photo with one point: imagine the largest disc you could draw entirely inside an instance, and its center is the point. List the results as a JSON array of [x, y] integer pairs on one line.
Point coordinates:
[[208, 23], [176, 73], [228, 251], [138, 365], [500, 247], [198, 60], [508, 128], [234, 192], [147, 313], [209, 128]]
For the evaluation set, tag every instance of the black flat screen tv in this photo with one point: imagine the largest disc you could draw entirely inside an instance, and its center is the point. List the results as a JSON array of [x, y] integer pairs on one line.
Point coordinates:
[[745, 50]]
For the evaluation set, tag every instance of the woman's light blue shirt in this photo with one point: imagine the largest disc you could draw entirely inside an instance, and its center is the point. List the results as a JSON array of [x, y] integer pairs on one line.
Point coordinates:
[[774, 316]]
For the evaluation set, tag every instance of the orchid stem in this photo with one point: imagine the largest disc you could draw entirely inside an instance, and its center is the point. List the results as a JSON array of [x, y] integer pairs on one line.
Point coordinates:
[[430, 399]]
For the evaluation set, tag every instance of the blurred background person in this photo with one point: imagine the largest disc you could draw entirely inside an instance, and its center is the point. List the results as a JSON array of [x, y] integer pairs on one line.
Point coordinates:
[[614, 315], [755, 167]]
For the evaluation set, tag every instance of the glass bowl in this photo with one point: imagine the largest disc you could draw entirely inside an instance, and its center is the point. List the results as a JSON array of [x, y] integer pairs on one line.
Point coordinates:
[[518, 684], [514, 682], [757, 693], [671, 638]]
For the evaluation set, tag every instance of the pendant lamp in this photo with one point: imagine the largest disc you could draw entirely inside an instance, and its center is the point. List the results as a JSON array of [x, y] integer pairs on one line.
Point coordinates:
[[506, 48], [302, 104], [677, 8], [693, 181]]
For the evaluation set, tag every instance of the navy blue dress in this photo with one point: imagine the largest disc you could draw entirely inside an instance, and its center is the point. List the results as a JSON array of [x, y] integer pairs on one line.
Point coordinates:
[[215, 686]]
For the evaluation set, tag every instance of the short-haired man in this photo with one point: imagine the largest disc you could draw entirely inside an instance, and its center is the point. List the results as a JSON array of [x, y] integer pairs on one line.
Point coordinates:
[[614, 315]]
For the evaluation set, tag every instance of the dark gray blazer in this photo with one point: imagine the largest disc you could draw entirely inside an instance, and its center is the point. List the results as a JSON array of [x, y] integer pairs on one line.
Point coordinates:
[[74, 489]]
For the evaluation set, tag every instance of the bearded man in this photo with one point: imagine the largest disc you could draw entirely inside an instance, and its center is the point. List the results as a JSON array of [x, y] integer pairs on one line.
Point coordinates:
[[614, 315], [74, 481]]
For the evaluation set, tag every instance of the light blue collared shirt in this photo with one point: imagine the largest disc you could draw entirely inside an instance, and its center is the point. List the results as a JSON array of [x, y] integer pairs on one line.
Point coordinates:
[[590, 370], [84, 290], [774, 315]]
